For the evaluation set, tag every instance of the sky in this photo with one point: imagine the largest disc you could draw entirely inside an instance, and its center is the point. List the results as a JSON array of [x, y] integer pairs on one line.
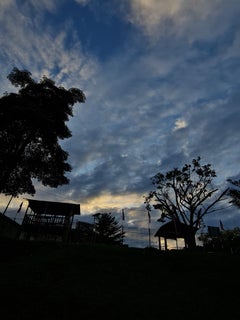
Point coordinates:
[[161, 80]]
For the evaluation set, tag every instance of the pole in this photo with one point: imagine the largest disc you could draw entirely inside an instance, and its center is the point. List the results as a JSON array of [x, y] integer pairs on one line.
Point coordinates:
[[149, 231], [175, 226], [123, 218], [122, 234], [149, 236]]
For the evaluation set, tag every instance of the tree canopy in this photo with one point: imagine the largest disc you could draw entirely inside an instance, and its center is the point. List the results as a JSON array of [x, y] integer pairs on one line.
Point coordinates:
[[226, 240], [184, 194], [32, 121], [107, 229]]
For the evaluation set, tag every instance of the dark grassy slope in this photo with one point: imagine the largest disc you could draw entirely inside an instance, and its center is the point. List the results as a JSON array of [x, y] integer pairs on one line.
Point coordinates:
[[55, 281]]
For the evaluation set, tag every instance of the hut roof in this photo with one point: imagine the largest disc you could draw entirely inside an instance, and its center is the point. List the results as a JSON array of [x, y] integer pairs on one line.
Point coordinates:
[[173, 230], [54, 208]]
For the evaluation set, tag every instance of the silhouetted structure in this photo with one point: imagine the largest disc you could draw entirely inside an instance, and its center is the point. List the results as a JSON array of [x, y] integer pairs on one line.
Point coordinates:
[[83, 232], [48, 220], [172, 230]]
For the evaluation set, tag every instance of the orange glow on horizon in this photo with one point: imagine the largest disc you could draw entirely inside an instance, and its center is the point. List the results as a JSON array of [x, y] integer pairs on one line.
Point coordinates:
[[108, 201]]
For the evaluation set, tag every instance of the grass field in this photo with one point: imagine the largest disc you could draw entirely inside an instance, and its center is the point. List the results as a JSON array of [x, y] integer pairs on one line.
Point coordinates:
[[57, 281]]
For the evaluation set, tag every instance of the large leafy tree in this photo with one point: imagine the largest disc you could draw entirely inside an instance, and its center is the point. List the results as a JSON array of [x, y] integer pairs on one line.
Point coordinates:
[[32, 121], [107, 229], [184, 195]]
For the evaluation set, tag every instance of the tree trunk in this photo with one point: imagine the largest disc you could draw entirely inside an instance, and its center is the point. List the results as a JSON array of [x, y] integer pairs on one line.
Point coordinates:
[[191, 240]]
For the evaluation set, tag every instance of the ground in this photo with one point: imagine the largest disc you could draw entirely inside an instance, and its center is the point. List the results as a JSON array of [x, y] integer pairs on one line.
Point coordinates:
[[55, 281]]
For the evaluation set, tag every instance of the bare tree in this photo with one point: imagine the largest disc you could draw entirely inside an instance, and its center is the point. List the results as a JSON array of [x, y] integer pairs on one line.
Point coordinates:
[[234, 192], [183, 195]]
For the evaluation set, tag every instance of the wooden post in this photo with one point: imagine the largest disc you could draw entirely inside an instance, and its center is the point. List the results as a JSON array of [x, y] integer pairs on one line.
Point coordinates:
[[165, 243], [159, 243]]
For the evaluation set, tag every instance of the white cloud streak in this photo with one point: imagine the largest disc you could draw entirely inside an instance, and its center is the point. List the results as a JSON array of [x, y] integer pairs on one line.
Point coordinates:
[[82, 2], [29, 43], [187, 18]]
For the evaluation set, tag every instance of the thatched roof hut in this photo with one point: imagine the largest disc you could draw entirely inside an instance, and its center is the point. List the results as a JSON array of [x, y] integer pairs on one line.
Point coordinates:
[[172, 230]]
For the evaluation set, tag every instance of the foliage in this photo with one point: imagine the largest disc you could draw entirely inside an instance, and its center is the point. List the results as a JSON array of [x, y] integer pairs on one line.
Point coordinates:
[[234, 192], [107, 229], [227, 240], [184, 195], [31, 123]]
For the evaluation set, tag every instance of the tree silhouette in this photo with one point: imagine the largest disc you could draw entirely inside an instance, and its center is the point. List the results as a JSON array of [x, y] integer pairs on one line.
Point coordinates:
[[226, 240], [183, 195], [32, 121], [107, 229], [234, 192]]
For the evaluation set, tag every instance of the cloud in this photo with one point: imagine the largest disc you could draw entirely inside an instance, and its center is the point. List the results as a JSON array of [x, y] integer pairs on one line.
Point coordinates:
[[180, 124], [151, 106], [137, 99], [32, 44], [39, 6], [149, 14], [186, 18], [82, 2]]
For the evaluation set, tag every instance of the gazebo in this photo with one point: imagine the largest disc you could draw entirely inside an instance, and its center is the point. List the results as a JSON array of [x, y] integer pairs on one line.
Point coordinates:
[[48, 220], [172, 230]]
